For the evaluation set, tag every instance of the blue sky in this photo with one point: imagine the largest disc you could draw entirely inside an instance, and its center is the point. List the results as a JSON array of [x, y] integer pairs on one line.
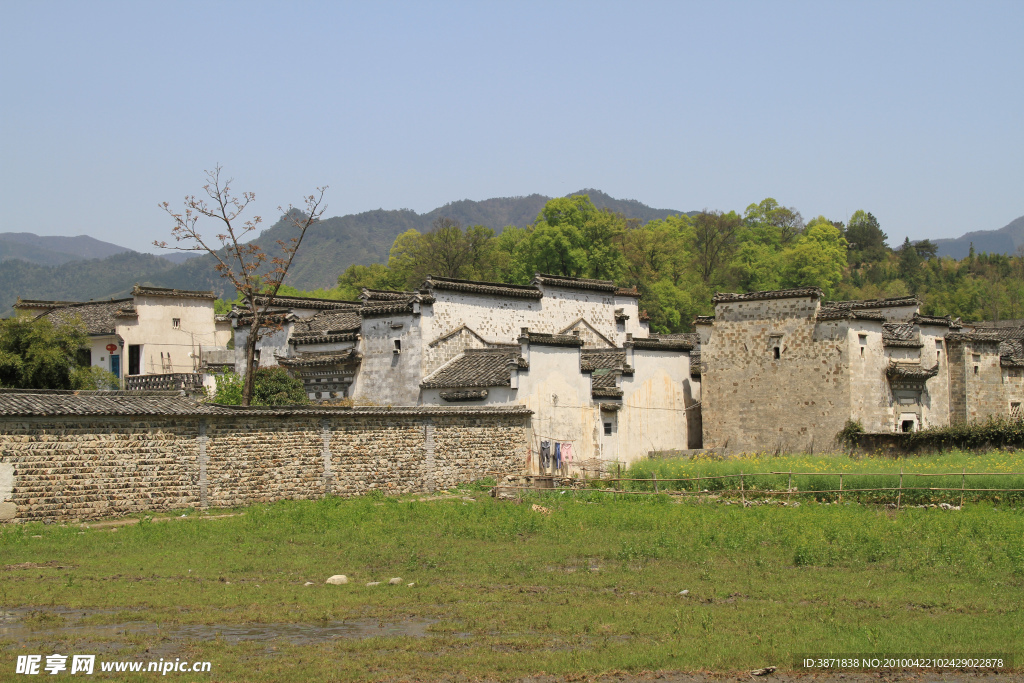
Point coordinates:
[[911, 110]]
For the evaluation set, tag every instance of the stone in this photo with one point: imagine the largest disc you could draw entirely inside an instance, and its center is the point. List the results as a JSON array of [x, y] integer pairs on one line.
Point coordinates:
[[310, 583], [337, 580], [395, 581], [373, 583], [684, 592], [410, 585]]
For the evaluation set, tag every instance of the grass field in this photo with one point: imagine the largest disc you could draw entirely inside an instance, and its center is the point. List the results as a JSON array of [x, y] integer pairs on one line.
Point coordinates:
[[997, 470], [502, 590]]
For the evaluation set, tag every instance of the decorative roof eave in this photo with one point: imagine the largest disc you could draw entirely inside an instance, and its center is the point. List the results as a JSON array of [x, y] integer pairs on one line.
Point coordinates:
[[827, 313], [704, 320], [483, 288], [1011, 362], [977, 337], [309, 360], [546, 280], [307, 302], [945, 321], [606, 392], [140, 290], [367, 294], [861, 304], [903, 344], [544, 339], [466, 395], [660, 344], [37, 304], [301, 339], [910, 371], [610, 407], [798, 293], [628, 291]]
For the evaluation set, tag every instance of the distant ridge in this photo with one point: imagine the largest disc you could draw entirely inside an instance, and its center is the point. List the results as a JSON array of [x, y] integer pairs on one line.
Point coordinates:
[[330, 248], [1005, 240], [53, 250]]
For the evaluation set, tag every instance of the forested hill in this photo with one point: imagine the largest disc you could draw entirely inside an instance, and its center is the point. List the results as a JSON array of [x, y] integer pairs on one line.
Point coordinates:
[[53, 250], [1005, 240], [331, 247]]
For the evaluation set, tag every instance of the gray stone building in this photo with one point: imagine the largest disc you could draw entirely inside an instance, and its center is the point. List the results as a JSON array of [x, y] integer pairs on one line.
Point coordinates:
[[784, 370]]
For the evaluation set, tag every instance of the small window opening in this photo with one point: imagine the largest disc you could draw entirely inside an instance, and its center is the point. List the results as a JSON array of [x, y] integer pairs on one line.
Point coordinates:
[[607, 428], [907, 426], [862, 352], [398, 346], [1015, 410], [938, 357], [975, 369], [863, 338], [176, 323], [977, 358], [775, 352]]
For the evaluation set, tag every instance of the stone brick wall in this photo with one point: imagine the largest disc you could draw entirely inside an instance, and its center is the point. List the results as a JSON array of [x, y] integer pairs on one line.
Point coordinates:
[[752, 400], [83, 468]]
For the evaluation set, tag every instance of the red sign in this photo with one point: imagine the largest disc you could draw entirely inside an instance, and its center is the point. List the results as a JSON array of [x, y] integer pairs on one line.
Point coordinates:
[[111, 348]]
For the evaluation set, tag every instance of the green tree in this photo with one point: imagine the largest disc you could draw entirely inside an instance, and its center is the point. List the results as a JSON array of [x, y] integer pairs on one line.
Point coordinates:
[[866, 239], [816, 259], [713, 243], [572, 238], [36, 354]]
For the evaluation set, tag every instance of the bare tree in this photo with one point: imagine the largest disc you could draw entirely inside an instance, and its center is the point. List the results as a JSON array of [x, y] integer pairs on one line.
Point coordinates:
[[246, 265]]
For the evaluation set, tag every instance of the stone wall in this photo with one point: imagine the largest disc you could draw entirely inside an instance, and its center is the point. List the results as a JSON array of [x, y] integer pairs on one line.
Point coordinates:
[[75, 467], [752, 400]]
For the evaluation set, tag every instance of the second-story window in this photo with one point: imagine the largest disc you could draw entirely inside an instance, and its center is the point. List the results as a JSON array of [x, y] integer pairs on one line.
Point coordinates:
[[176, 323]]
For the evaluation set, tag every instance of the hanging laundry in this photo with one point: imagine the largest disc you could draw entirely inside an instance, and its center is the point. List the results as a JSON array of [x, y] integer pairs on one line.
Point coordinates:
[[529, 455], [566, 453], [558, 455], [545, 454]]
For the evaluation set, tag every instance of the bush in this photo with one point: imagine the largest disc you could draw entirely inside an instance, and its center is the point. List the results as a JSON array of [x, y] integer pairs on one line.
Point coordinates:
[[272, 387]]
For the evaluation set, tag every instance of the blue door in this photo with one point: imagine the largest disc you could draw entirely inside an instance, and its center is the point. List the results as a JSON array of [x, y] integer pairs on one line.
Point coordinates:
[[115, 365]]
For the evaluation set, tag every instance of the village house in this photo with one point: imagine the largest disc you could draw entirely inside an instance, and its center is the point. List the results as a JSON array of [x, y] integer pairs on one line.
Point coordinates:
[[784, 370], [576, 351], [152, 339]]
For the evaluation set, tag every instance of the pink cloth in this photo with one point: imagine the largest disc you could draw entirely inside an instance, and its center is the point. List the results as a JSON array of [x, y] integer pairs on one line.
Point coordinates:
[[566, 452]]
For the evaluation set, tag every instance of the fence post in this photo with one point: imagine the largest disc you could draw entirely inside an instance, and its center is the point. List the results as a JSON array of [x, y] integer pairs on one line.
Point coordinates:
[[840, 487], [963, 486], [899, 496], [697, 490], [789, 487], [655, 482], [743, 496]]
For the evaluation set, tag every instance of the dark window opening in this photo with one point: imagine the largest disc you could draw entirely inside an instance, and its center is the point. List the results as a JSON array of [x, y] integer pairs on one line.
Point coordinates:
[[398, 346], [607, 428], [907, 426], [176, 323], [975, 369], [862, 351], [134, 359], [776, 352]]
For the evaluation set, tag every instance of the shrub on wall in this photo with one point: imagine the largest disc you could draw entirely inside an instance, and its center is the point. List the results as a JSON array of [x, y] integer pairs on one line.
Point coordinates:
[[272, 387], [995, 432]]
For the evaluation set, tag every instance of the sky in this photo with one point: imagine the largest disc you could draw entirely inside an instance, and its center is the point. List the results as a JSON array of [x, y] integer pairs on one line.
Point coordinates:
[[911, 110]]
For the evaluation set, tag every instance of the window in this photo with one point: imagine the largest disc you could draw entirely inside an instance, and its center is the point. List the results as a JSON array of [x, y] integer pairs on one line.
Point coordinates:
[[975, 369], [607, 428], [398, 346], [776, 352], [176, 323], [1015, 411], [976, 358]]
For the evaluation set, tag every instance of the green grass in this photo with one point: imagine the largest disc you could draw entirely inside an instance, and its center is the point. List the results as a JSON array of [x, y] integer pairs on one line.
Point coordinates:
[[881, 472], [512, 590]]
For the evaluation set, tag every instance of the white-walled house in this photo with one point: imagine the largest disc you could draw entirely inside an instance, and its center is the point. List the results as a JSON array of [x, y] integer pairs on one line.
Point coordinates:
[[155, 331], [576, 351]]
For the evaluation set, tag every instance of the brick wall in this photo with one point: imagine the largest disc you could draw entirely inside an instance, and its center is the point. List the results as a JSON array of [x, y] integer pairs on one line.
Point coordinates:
[[74, 467]]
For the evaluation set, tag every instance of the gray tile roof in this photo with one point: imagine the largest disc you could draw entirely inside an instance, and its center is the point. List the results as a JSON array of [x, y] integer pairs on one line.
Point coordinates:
[[333, 322], [901, 334], [99, 317], [308, 302], [546, 280], [319, 358], [607, 359], [861, 304], [911, 371], [476, 368], [704, 320], [729, 297], [545, 339], [1011, 353], [140, 290], [662, 344], [485, 288], [34, 403]]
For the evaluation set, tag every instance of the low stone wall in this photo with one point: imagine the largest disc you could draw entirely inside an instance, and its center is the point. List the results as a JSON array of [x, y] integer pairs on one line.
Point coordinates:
[[83, 467]]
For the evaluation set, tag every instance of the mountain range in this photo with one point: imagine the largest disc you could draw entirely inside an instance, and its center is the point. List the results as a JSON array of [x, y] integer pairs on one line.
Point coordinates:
[[1005, 240], [82, 268]]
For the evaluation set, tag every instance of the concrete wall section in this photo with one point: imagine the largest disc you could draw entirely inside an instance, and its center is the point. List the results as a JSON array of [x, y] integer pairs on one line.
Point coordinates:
[[653, 413]]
